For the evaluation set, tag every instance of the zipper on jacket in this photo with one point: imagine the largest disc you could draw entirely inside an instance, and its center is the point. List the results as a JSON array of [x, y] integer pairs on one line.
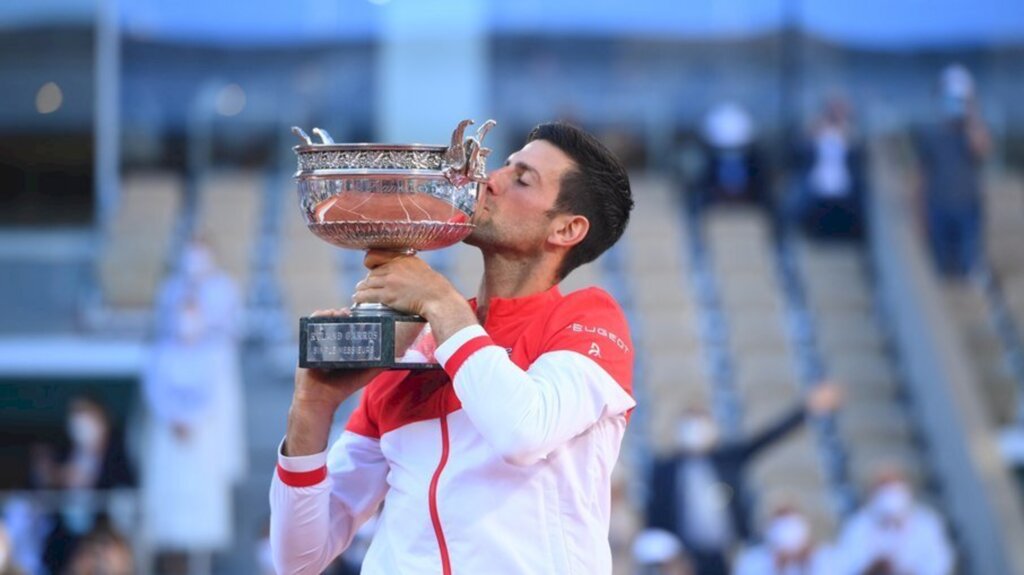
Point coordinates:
[[446, 566]]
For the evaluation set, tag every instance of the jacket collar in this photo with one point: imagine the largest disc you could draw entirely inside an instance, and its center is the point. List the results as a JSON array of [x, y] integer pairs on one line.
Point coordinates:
[[520, 306]]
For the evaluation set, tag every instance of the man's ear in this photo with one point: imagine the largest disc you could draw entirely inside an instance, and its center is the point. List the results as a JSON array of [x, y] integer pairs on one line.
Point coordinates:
[[568, 230]]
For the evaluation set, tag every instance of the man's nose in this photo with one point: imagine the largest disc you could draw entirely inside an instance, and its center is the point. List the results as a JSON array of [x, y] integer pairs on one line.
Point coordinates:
[[496, 181]]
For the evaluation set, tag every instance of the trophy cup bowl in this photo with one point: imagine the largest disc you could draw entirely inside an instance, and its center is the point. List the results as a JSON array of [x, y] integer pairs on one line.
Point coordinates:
[[405, 198]]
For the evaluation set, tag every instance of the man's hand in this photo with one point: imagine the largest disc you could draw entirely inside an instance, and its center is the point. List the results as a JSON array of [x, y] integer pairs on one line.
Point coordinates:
[[406, 283], [403, 282], [316, 398], [824, 398]]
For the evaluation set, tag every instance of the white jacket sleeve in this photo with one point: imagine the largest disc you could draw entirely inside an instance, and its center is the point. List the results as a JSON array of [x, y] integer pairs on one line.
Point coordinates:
[[317, 502], [527, 414]]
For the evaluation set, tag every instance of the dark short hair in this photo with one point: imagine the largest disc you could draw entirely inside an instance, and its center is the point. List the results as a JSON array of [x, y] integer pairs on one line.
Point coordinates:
[[597, 188]]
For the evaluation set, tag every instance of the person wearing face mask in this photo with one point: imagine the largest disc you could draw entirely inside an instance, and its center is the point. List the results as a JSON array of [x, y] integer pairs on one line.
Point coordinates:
[[193, 390], [893, 534], [94, 459], [734, 169], [831, 188], [951, 152], [201, 297], [698, 492], [788, 548]]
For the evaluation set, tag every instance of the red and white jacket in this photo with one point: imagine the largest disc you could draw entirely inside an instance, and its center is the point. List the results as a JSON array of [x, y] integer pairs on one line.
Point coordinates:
[[501, 463]]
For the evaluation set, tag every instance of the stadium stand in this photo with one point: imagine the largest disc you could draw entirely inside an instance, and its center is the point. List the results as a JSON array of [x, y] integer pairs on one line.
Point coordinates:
[[138, 244]]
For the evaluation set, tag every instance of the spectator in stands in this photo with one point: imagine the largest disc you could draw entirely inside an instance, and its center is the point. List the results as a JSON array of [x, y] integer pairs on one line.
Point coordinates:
[[787, 547], [196, 442], [94, 458], [734, 169], [951, 153], [201, 279], [659, 552], [8, 562], [892, 534], [830, 190], [698, 492]]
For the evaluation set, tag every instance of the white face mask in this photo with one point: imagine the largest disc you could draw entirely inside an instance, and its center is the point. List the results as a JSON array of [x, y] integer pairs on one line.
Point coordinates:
[[197, 262], [788, 534], [696, 434], [892, 500], [85, 430]]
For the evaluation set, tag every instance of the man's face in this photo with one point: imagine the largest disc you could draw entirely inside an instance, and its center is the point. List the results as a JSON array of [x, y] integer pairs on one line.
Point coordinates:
[[512, 210]]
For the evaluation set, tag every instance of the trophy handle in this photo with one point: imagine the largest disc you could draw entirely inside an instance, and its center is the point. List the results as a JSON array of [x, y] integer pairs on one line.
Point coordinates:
[[324, 136], [455, 155], [302, 135], [482, 131]]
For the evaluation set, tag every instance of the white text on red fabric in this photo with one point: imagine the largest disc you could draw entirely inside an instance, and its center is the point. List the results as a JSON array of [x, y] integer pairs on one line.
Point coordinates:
[[600, 332]]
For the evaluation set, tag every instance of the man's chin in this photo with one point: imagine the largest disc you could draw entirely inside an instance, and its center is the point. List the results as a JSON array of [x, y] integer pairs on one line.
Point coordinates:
[[480, 237]]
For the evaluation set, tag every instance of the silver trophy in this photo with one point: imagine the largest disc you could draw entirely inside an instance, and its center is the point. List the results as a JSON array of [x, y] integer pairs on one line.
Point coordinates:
[[405, 198]]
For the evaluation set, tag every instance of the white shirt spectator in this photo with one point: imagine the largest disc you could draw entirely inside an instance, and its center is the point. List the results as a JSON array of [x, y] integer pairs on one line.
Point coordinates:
[[893, 529], [830, 177]]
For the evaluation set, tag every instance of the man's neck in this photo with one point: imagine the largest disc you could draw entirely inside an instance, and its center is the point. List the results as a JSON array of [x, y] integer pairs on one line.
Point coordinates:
[[512, 278]]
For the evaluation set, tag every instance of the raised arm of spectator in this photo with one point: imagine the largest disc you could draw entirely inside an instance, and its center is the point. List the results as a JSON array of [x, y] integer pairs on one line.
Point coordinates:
[[823, 399]]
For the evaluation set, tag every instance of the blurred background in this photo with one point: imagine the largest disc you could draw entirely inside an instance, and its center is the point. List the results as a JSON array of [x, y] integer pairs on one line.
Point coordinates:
[[824, 273]]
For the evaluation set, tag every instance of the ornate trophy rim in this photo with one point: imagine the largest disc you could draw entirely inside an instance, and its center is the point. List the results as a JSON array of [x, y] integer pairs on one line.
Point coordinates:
[[370, 173], [365, 146]]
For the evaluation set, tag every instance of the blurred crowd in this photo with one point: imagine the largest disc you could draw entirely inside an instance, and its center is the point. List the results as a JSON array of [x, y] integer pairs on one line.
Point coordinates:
[[825, 192], [698, 518], [99, 499]]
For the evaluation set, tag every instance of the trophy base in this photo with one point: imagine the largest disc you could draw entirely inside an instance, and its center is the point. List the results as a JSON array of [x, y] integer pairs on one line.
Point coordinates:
[[374, 336]]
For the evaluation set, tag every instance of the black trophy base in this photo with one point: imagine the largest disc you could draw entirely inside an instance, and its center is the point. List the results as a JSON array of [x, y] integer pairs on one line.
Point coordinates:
[[372, 339]]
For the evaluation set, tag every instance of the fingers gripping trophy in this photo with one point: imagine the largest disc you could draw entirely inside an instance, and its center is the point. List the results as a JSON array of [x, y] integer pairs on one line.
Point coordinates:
[[404, 198]]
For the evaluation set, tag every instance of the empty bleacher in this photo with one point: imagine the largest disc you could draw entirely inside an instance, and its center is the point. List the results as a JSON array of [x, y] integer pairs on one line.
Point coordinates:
[[873, 424], [654, 263], [1004, 238], [137, 249], [228, 217]]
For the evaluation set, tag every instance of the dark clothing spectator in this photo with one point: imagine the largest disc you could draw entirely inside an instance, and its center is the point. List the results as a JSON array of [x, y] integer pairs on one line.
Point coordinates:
[[952, 197], [733, 168], [831, 192], [734, 175], [115, 469], [94, 459], [951, 153], [671, 483]]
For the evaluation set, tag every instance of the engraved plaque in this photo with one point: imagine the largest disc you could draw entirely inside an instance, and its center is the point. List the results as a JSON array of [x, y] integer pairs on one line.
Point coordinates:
[[343, 342]]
